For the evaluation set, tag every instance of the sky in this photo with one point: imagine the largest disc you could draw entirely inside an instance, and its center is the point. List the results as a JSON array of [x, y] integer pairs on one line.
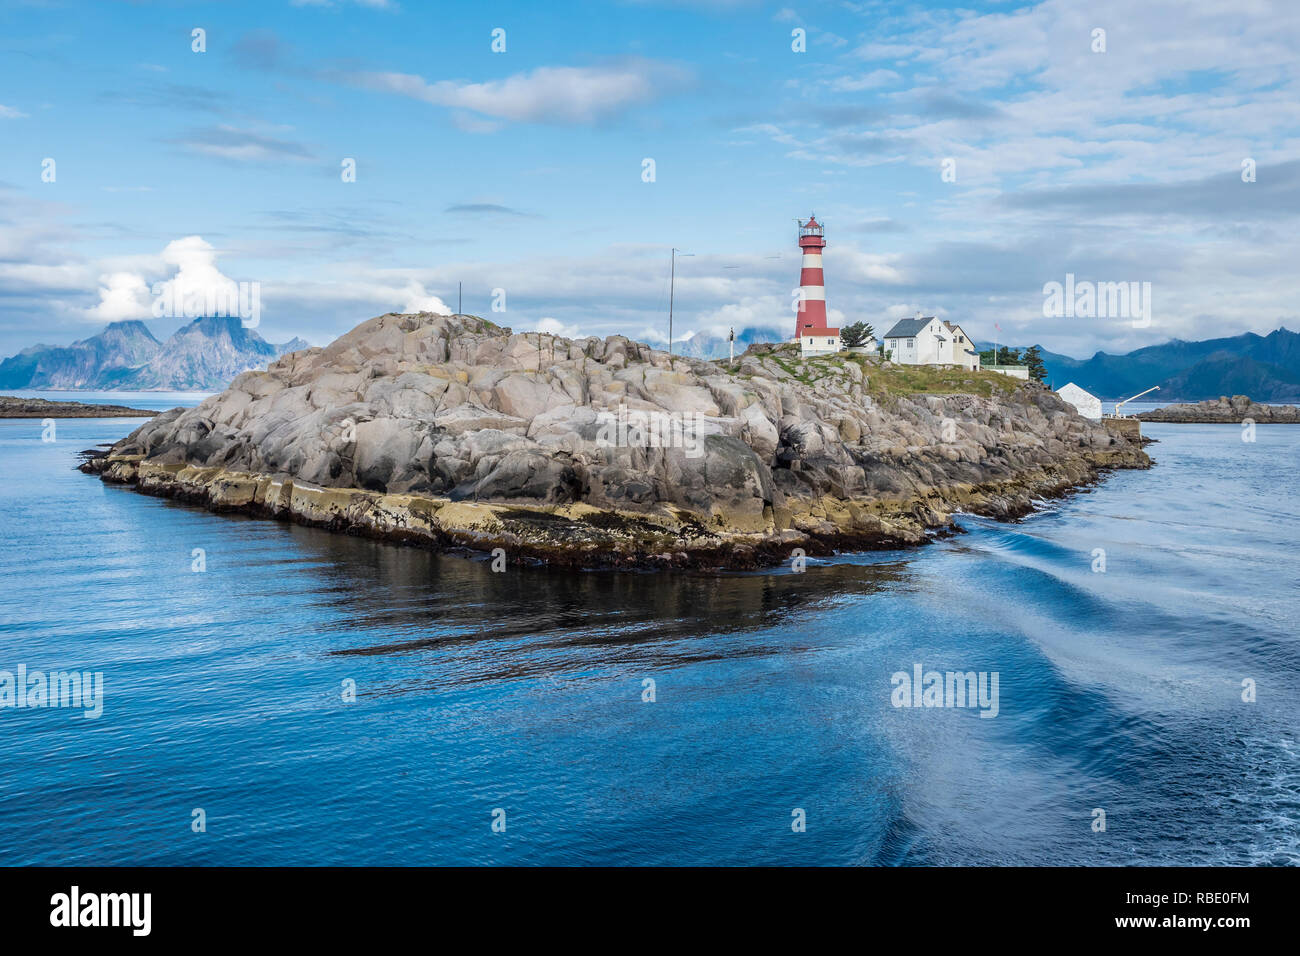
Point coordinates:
[[961, 158]]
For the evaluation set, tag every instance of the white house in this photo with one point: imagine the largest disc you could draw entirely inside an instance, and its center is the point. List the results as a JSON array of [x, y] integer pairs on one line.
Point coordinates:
[[927, 340], [1085, 403], [962, 348]]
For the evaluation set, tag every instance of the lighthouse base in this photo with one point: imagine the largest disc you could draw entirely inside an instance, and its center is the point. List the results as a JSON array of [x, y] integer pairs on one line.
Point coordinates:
[[819, 342]]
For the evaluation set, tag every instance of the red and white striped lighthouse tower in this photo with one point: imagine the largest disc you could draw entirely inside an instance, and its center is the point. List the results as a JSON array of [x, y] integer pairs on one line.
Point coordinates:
[[810, 319]]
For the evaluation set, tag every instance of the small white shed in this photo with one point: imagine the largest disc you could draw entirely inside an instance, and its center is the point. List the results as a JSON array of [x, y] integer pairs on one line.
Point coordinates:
[[1085, 403]]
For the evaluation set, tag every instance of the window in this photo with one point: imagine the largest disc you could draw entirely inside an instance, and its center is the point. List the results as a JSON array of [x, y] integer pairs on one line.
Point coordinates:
[[911, 343], [830, 341]]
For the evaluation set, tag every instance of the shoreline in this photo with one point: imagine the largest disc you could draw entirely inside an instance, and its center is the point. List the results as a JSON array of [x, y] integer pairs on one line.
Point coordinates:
[[12, 406], [579, 536]]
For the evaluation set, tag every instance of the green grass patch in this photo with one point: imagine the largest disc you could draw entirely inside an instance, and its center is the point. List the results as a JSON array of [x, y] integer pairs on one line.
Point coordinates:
[[893, 381], [932, 380]]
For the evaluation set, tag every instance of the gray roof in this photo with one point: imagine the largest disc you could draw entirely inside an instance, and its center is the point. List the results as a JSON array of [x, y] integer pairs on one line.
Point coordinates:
[[907, 328]]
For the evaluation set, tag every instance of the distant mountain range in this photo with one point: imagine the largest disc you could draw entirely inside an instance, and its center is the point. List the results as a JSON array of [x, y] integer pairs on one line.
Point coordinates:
[[705, 346], [204, 355], [1265, 367]]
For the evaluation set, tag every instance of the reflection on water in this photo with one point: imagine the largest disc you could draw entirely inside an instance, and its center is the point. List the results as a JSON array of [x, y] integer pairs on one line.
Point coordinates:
[[419, 597]]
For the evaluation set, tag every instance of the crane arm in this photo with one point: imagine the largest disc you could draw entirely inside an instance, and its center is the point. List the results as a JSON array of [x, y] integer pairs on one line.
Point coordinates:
[[1118, 406]]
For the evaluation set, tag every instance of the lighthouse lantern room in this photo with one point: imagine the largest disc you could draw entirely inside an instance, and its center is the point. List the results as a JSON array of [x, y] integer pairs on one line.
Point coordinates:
[[815, 337]]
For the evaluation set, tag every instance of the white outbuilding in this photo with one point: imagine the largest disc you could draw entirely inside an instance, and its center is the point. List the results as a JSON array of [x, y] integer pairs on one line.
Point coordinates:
[[1085, 403]]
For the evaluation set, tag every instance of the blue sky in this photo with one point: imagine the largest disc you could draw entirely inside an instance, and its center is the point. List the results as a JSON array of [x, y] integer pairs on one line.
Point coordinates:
[[522, 170]]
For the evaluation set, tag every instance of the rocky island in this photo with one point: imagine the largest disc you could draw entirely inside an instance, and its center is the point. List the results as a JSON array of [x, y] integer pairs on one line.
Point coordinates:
[[451, 432], [13, 406], [1224, 410]]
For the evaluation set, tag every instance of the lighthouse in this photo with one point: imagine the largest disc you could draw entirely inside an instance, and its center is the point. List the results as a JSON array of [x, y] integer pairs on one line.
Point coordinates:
[[814, 335]]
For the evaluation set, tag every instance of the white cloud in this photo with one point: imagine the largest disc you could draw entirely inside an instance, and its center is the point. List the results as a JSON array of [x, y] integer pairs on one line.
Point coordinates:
[[866, 81], [1184, 86], [418, 300], [8, 112], [122, 295], [751, 311], [867, 267], [185, 274], [548, 94], [243, 145], [469, 123], [555, 327]]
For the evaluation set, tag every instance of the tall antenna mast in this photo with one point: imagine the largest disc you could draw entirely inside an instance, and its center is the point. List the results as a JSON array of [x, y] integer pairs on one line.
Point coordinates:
[[672, 284]]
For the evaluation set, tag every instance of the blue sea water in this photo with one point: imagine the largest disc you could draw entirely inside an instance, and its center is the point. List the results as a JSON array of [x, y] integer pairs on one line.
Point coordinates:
[[522, 692]]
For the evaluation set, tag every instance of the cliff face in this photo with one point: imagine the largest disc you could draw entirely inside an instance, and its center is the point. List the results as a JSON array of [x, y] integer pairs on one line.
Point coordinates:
[[451, 431]]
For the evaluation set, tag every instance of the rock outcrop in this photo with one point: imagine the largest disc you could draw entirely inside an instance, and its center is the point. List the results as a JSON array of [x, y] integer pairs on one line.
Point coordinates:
[[14, 406], [1224, 410], [452, 432]]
